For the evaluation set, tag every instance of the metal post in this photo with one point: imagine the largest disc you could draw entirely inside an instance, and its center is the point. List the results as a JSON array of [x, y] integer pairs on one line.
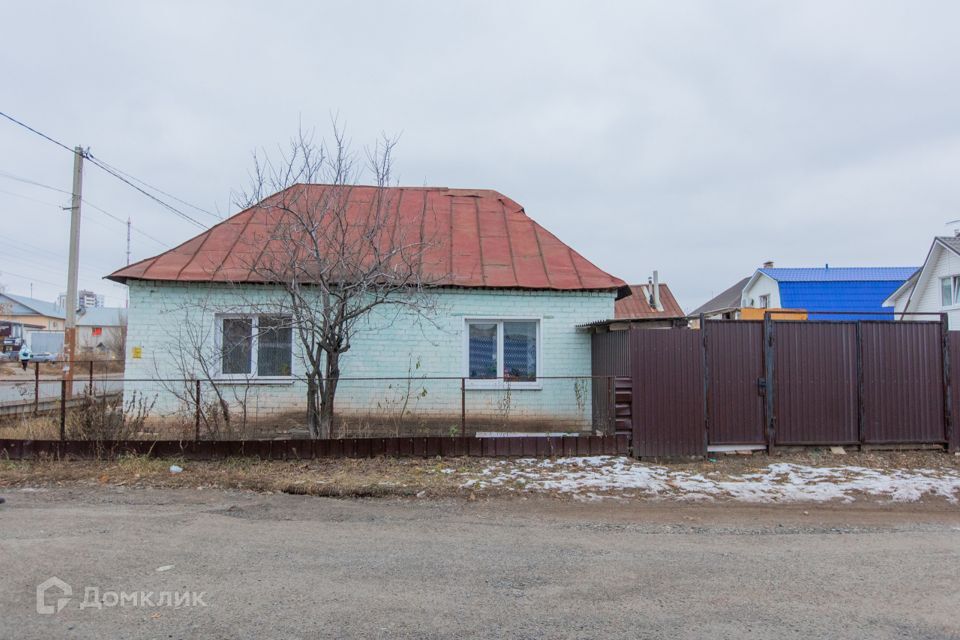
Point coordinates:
[[73, 267], [769, 391], [705, 362], [861, 413], [63, 410], [36, 387], [612, 405], [91, 377], [948, 426], [197, 415], [463, 407]]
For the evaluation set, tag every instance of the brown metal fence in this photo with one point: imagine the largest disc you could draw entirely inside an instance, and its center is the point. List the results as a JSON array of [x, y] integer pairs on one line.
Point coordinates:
[[770, 383]]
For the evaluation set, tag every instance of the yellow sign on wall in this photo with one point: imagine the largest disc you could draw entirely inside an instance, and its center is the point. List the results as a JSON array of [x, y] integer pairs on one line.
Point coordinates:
[[136, 353]]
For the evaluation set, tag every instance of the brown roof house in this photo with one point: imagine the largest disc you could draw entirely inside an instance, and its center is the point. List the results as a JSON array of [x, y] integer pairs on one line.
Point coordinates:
[[471, 288], [646, 306]]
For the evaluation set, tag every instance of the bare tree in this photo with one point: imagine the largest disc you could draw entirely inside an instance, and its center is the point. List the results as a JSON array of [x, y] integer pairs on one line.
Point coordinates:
[[195, 356], [337, 252]]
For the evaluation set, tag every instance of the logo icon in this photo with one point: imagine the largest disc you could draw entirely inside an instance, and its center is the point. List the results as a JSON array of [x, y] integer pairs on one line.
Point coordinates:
[[52, 583]]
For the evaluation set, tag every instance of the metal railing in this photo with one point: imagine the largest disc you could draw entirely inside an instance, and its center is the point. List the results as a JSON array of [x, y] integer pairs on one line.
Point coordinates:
[[105, 405]]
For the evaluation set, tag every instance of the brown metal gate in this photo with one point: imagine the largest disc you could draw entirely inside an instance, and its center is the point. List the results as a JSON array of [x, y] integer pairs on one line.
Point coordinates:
[[815, 383], [902, 369], [789, 383], [667, 372], [733, 358]]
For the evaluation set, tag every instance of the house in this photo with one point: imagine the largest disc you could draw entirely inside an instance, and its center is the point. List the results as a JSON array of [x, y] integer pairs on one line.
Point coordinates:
[[862, 291], [30, 311], [724, 306], [647, 306], [651, 301], [934, 288], [508, 297], [101, 330]]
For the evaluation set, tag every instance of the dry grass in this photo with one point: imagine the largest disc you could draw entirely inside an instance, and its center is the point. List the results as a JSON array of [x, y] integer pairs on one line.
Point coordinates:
[[433, 477], [340, 477]]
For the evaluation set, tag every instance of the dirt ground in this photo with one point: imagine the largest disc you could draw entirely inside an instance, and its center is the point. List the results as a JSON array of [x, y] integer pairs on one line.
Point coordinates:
[[385, 477], [293, 566]]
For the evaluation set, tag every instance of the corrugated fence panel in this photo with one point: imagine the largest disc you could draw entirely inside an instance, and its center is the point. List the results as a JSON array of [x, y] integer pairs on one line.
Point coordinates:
[[667, 393], [734, 366], [610, 356], [902, 382], [610, 353], [815, 393], [954, 338]]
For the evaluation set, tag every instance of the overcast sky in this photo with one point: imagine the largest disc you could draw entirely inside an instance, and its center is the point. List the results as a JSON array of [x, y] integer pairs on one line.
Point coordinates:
[[697, 138]]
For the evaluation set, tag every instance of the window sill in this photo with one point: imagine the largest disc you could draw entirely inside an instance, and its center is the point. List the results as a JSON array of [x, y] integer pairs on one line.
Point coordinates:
[[501, 385], [256, 381]]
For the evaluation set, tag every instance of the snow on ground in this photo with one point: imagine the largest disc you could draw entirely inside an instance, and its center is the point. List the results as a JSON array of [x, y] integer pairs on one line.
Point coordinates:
[[608, 476]]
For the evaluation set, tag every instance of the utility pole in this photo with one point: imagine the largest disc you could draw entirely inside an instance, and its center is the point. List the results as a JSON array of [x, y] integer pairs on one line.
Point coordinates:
[[70, 331], [128, 241]]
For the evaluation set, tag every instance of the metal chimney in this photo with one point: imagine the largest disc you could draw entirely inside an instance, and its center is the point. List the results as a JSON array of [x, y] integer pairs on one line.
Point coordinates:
[[656, 291]]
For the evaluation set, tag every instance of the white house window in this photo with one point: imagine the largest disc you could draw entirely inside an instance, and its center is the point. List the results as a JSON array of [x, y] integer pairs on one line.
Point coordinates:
[[503, 349], [950, 291], [765, 301], [257, 345]]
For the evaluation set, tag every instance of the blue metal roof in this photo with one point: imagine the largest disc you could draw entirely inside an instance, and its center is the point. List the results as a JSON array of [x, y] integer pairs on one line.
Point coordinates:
[[841, 274]]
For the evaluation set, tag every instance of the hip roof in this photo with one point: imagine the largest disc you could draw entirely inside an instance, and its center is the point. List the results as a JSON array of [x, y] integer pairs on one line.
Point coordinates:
[[471, 238]]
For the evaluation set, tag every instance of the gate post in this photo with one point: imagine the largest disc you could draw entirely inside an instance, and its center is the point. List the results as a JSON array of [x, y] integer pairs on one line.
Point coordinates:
[[947, 399], [861, 417], [705, 365], [769, 391]]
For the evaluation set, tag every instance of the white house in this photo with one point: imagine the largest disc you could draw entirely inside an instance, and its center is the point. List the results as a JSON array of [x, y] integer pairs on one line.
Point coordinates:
[[935, 288], [508, 297]]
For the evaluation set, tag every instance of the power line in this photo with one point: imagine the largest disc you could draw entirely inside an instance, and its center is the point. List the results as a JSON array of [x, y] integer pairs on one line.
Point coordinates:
[[4, 272], [10, 176], [157, 189], [42, 135], [165, 205], [119, 175]]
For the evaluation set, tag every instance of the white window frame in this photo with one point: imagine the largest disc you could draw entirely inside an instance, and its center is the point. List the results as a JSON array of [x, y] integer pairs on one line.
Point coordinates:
[[764, 301], [954, 286], [499, 382], [254, 348]]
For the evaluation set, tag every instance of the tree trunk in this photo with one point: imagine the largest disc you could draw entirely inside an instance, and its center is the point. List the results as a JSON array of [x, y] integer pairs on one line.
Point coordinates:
[[328, 393], [313, 412]]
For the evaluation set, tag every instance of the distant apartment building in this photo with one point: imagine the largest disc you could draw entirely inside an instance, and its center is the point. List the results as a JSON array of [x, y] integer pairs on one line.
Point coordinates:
[[86, 299]]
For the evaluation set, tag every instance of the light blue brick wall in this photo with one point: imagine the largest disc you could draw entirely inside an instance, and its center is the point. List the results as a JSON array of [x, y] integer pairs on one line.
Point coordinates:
[[163, 318]]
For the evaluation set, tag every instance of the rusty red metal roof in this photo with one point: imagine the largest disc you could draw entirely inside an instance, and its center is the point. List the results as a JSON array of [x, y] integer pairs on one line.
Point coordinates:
[[477, 238], [637, 304]]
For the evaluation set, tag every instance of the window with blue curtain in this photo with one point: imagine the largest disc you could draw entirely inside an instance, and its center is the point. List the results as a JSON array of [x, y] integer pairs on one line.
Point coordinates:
[[483, 350], [520, 350]]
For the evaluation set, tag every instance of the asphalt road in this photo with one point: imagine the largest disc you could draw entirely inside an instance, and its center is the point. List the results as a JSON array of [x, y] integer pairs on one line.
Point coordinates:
[[298, 566]]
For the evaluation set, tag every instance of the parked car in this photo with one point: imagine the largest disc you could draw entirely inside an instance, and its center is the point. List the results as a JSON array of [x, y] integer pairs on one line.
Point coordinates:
[[43, 357]]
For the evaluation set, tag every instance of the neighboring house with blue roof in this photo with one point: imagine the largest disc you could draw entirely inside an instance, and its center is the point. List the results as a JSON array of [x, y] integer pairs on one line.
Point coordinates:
[[935, 288], [862, 291]]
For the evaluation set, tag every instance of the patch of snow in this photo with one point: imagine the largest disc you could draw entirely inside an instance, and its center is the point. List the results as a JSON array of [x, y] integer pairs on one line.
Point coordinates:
[[595, 477]]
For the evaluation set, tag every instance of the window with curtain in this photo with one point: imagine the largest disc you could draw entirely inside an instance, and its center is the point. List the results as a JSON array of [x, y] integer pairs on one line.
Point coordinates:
[[503, 349], [256, 345]]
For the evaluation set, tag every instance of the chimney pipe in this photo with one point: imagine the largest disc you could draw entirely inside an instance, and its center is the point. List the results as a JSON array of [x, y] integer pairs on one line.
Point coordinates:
[[768, 264], [656, 291]]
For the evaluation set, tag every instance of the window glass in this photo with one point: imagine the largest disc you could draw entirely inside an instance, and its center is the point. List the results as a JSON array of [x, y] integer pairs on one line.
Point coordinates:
[[274, 346], [483, 350], [946, 292], [520, 350], [236, 347]]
